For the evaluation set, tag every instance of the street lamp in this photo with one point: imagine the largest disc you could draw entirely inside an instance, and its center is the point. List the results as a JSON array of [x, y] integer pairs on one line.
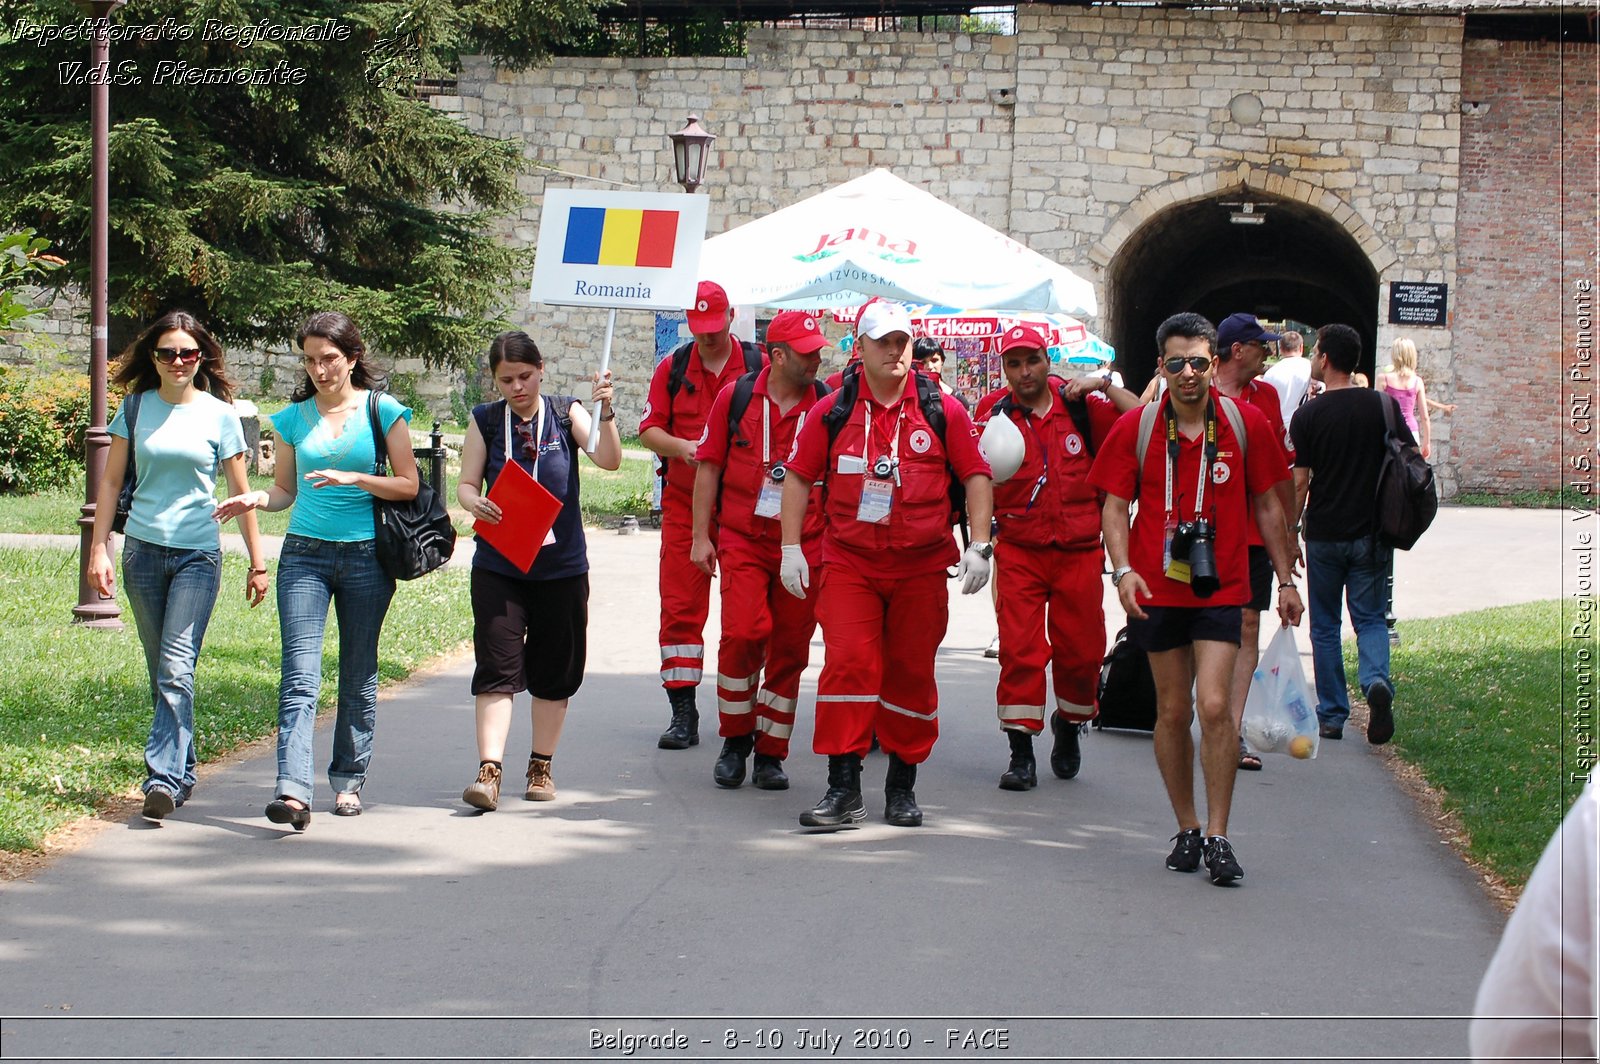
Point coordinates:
[[690, 148], [91, 609]]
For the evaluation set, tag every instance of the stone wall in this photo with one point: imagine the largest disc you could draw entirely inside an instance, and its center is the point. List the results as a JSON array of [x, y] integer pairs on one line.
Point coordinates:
[[1528, 218]]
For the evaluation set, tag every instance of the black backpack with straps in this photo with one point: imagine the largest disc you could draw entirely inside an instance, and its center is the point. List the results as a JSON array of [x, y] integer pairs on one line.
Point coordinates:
[[744, 389], [1077, 409], [678, 374]]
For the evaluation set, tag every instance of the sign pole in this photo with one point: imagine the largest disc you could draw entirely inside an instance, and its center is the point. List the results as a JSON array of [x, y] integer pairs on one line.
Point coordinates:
[[605, 364]]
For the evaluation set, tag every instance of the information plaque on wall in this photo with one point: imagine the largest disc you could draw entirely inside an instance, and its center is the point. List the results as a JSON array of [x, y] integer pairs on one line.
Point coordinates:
[[1419, 303]]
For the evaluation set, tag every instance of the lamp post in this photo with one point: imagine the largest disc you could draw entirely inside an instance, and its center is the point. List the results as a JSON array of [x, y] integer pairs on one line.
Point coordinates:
[[91, 609], [691, 146]]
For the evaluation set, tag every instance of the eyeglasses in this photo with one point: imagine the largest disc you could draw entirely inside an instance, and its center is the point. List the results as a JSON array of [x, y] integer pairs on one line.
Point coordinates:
[[1198, 363], [168, 355], [525, 432]]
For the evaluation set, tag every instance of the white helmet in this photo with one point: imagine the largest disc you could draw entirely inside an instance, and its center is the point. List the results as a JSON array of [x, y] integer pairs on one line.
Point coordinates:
[[1003, 446]]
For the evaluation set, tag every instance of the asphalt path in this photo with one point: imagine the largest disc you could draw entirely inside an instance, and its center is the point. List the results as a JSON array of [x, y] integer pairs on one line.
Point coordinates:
[[647, 914]]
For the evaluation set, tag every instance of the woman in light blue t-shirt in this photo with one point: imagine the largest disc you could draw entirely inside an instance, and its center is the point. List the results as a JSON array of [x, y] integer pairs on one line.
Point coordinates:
[[325, 438], [181, 429]]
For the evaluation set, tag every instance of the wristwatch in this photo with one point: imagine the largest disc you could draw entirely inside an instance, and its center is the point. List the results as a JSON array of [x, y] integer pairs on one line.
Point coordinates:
[[985, 550], [1118, 573]]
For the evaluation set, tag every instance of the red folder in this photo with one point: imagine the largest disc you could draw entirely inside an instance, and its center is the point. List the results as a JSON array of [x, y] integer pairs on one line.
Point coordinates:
[[527, 513]]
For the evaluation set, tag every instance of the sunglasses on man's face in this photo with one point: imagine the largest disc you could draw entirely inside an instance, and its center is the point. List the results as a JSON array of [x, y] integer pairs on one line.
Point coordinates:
[[168, 355], [1198, 363]]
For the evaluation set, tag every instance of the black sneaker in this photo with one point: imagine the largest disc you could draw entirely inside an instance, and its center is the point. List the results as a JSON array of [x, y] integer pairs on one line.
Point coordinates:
[[1329, 731], [1380, 705], [1220, 861], [158, 802], [1185, 855]]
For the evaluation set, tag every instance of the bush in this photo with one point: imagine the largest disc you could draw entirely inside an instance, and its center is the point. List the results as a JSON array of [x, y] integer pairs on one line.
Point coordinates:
[[43, 421]]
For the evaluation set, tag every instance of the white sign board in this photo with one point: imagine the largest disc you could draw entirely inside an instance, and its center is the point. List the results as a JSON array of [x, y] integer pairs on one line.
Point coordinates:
[[626, 250]]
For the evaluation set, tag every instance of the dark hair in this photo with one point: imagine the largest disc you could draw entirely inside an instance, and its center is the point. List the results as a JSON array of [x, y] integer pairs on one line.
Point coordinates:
[[514, 347], [926, 347], [1188, 325], [341, 332], [1341, 346], [136, 366]]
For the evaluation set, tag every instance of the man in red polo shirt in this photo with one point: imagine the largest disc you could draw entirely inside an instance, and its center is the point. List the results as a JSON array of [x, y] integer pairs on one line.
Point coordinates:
[[1197, 462], [674, 417], [1047, 553], [1243, 347], [882, 598], [738, 489]]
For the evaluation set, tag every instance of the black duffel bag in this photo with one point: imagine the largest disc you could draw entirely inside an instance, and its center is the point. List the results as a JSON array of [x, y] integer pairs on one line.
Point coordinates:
[[414, 536]]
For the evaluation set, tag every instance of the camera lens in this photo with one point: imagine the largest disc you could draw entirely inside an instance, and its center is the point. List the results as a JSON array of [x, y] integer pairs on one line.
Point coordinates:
[[778, 472], [883, 467]]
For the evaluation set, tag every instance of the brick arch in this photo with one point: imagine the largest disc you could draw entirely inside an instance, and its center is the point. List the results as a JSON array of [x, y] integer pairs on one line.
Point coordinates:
[[1221, 182]]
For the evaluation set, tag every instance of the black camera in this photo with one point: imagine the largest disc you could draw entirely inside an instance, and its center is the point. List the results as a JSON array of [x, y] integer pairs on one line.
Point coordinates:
[[1195, 542], [884, 467], [777, 473]]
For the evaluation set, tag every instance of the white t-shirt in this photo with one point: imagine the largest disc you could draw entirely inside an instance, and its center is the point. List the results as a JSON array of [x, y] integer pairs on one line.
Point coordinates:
[[1548, 958], [1290, 376]]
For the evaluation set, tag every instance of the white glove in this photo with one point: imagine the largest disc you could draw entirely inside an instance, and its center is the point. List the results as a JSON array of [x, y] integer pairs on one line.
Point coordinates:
[[793, 571], [973, 572]]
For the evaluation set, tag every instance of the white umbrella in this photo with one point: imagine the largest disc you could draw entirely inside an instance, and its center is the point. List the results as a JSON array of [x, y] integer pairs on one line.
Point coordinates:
[[878, 235]]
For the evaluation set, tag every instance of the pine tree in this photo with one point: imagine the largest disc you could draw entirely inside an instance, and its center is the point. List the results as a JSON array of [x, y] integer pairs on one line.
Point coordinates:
[[329, 184]]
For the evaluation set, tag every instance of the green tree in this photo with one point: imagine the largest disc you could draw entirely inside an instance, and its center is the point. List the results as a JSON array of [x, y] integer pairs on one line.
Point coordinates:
[[326, 183], [23, 263]]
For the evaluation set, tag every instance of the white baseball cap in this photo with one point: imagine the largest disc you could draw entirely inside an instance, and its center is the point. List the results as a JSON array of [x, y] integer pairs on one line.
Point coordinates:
[[880, 319]]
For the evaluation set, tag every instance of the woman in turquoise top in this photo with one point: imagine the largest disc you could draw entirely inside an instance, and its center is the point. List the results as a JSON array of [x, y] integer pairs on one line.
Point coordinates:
[[184, 430], [328, 555]]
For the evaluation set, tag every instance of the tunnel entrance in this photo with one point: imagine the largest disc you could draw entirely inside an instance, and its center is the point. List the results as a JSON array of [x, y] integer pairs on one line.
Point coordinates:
[[1298, 264]]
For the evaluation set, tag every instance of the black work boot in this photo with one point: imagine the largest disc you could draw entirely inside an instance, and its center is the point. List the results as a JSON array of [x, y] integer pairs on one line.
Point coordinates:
[[729, 770], [1065, 756], [684, 731], [768, 773], [899, 801], [842, 804], [1023, 775]]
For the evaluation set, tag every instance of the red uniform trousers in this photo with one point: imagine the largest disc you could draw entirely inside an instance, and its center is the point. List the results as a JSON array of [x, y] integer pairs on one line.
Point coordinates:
[[1050, 614], [685, 595], [881, 635], [762, 625]]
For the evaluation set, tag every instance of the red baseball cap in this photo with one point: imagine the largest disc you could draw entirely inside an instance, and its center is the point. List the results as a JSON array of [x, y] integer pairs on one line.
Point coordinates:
[[1023, 336], [798, 330], [710, 311]]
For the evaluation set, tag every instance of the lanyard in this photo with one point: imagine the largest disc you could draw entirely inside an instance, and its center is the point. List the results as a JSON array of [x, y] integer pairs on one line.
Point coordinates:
[[894, 432], [1206, 462], [766, 432], [1044, 454], [538, 435]]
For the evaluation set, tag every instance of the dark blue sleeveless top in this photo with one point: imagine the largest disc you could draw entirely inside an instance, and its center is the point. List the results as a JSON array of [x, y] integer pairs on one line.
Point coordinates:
[[558, 474]]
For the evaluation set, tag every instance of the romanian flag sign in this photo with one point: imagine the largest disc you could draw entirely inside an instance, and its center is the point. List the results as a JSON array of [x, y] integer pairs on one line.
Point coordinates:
[[619, 249]]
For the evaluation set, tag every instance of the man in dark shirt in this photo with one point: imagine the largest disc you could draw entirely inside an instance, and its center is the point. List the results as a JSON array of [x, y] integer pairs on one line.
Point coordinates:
[[1339, 444]]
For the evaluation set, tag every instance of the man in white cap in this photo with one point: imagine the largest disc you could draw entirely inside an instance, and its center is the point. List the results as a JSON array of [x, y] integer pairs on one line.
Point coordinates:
[[884, 446], [738, 489], [681, 393]]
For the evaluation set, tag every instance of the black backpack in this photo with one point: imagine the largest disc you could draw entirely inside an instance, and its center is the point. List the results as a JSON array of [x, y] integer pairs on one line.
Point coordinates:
[[1407, 498], [1077, 409], [130, 476], [1127, 692], [676, 376], [931, 400], [743, 390]]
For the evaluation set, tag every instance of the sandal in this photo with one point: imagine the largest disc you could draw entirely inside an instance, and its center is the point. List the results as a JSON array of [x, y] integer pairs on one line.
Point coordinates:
[[279, 811], [347, 803], [1249, 762]]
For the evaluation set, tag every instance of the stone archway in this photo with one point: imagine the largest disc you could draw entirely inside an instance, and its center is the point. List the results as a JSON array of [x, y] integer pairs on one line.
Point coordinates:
[[1312, 260]]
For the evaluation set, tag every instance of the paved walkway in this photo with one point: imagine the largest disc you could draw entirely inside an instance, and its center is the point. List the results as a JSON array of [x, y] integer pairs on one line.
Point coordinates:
[[646, 901]]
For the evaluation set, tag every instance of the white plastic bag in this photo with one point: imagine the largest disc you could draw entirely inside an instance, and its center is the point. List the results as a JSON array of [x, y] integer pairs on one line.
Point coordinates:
[[1280, 714]]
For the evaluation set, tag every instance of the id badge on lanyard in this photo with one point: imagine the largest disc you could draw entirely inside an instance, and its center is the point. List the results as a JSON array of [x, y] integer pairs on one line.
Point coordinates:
[[769, 501], [877, 488], [1175, 570], [538, 442]]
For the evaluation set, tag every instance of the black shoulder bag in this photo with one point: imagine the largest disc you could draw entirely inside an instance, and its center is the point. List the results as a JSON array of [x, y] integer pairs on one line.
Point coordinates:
[[130, 474], [411, 537]]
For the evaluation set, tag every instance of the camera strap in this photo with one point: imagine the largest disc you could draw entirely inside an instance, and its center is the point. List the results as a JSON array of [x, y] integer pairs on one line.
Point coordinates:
[[1208, 459], [894, 432]]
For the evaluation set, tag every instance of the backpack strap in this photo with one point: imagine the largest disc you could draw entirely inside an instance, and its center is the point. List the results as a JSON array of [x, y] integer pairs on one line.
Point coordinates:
[[752, 356], [131, 405], [743, 391], [1147, 422], [380, 449], [848, 390]]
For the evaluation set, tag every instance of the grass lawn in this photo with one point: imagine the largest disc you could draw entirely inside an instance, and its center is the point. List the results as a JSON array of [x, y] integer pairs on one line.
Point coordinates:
[[75, 706], [1478, 709]]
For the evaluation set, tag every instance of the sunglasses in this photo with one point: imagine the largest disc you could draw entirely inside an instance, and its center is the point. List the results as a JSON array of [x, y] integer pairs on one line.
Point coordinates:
[[524, 432], [1198, 363], [168, 355]]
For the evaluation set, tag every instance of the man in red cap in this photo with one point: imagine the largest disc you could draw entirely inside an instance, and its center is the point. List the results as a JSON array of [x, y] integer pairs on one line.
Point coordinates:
[[681, 393], [738, 489], [884, 446], [1048, 556]]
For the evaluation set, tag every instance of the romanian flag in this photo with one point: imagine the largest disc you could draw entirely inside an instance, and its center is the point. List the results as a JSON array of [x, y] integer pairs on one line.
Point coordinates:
[[608, 236]]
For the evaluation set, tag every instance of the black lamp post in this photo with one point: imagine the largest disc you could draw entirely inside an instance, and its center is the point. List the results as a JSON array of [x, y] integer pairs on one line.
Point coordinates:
[[691, 146], [91, 609]]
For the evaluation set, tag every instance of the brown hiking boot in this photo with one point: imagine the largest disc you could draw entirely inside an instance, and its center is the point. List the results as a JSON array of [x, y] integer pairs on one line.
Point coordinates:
[[484, 792], [541, 788]]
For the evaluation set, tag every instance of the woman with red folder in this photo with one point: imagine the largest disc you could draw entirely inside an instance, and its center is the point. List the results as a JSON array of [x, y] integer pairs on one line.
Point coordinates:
[[530, 574]]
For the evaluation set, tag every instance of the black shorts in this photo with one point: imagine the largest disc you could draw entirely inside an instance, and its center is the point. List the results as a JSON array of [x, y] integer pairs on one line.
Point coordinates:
[[1261, 580], [529, 635], [1171, 627]]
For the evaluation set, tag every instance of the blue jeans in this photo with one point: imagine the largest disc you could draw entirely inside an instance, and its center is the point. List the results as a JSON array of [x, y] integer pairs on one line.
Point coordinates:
[[172, 591], [310, 573], [1359, 568]]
